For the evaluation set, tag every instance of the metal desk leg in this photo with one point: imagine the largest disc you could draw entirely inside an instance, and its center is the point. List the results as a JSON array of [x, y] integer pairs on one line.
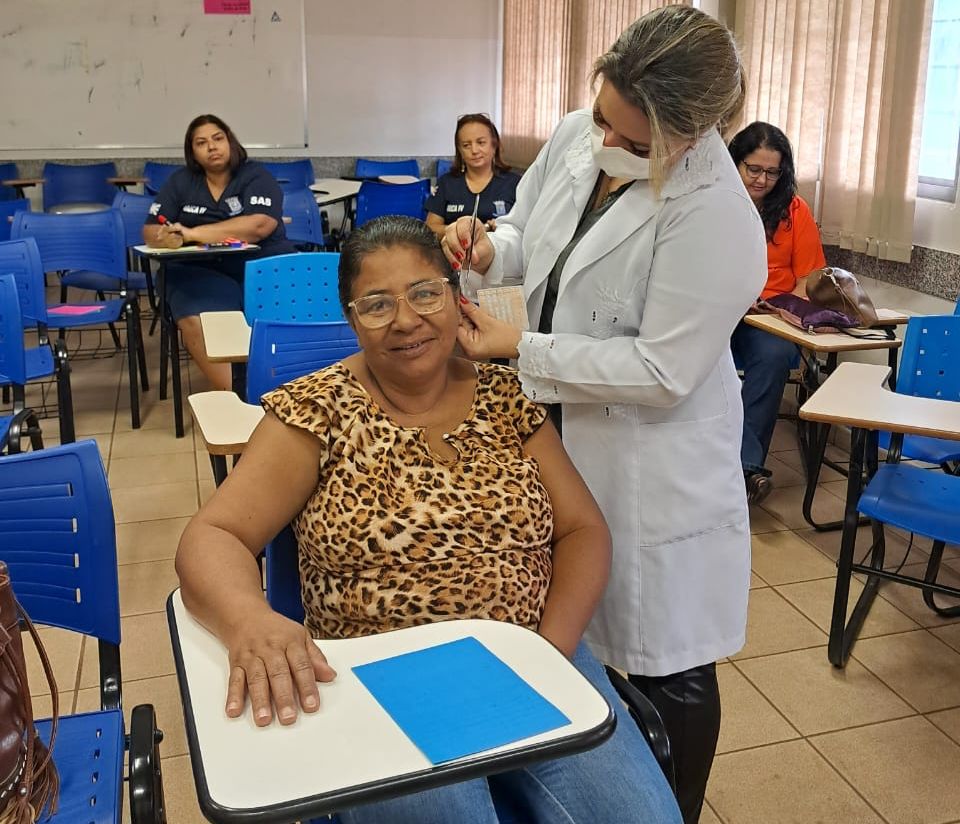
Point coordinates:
[[219, 465], [238, 379], [843, 633]]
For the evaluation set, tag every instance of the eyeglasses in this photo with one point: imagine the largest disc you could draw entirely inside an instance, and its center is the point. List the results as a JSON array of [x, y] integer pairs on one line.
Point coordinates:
[[756, 171], [425, 298]]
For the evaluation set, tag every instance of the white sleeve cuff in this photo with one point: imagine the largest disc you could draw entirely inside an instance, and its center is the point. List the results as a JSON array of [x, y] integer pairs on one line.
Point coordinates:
[[533, 350]]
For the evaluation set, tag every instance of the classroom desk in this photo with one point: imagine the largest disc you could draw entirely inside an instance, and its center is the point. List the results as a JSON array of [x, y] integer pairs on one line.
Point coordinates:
[[351, 751], [169, 336], [854, 395], [22, 183], [330, 190], [813, 437], [122, 181], [225, 423], [226, 339]]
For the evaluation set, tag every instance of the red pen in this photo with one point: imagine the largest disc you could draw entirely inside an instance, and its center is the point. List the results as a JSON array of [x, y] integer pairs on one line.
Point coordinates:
[[162, 220]]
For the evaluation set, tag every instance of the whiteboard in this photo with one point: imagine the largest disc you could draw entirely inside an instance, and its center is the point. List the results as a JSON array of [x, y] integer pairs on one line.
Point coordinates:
[[108, 74]]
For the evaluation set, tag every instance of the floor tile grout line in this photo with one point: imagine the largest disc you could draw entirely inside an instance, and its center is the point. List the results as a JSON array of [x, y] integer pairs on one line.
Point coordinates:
[[847, 781], [766, 698]]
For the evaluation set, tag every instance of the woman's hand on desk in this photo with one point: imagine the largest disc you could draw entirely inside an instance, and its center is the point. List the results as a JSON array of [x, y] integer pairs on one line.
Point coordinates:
[[482, 336], [166, 236], [274, 661]]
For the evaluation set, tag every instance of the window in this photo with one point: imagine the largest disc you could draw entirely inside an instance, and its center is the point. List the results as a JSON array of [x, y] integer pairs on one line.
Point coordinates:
[[941, 112]]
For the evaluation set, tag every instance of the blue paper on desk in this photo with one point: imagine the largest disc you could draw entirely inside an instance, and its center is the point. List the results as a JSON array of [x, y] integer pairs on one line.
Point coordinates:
[[457, 699]]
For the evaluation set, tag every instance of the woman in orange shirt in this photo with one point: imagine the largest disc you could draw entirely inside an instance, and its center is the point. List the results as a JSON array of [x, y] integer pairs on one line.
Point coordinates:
[[765, 161]]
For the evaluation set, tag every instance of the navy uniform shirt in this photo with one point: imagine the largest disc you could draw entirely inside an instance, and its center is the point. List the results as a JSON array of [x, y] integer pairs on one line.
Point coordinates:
[[454, 199], [185, 198]]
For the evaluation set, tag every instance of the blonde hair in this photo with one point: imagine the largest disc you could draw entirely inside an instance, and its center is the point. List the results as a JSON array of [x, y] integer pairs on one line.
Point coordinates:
[[682, 69]]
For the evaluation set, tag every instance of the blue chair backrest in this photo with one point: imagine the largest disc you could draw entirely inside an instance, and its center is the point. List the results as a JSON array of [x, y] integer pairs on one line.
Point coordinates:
[[378, 199], [133, 211], [298, 288], [305, 225], [291, 175], [281, 352], [8, 208], [93, 240], [8, 171], [13, 362], [21, 258], [57, 537], [930, 360], [443, 166], [283, 576], [157, 174], [68, 183], [375, 168]]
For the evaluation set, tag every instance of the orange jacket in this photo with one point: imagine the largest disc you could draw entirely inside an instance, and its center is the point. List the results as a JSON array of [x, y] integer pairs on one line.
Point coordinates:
[[795, 250]]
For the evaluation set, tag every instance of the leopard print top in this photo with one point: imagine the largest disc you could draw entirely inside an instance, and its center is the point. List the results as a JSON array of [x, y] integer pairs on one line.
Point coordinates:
[[395, 536]]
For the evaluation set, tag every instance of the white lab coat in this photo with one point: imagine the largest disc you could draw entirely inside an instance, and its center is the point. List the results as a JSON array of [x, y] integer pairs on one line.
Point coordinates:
[[640, 359]]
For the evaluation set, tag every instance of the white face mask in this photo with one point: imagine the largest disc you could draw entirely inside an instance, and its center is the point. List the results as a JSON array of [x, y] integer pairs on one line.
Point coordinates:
[[615, 161]]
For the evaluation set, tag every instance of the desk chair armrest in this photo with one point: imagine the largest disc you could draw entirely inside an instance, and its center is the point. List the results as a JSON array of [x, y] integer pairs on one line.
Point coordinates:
[[226, 422], [648, 719], [146, 780]]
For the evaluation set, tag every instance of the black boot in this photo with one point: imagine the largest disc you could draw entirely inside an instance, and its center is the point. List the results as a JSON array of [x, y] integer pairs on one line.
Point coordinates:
[[689, 703]]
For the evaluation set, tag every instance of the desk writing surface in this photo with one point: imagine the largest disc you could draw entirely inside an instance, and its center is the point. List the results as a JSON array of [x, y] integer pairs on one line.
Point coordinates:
[[854, 395], [193, 251], [399, 179], [820, 342], [23, 181], [332, 189], [350, 741], [226, 336]]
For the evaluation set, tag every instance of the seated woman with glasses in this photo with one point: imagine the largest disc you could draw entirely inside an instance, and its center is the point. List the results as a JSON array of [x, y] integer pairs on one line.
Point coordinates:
[[477, 170], [765, 160], [422, 488]]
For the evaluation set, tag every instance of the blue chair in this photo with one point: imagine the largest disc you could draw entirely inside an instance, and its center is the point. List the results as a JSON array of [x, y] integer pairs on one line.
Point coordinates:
[[305, 228], [299, 288], [8, 171], [8, 208], [57, 538], [375, 168], [93, 242], [133, 211], [291, 175], [443, 166], [378, 199], [75, 187], [19, 364], [929, 368], [156, 175], [22, 422], [281, 352]]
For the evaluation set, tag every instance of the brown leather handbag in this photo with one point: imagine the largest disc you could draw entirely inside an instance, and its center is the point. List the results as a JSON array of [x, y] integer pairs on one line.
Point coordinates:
[[30, 784], [840, 290]]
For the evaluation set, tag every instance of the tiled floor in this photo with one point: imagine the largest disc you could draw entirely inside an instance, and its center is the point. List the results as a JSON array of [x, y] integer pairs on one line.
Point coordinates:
[[801, 742]]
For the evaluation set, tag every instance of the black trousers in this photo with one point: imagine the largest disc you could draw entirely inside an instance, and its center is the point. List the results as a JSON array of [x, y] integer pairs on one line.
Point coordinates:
[[689, 704]]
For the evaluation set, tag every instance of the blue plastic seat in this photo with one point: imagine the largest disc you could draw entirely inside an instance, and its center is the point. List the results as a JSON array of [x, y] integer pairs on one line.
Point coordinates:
[[375, 168], [929, 368], [306, 224], [300, 288], [378, 199], [14, 374], [8, 171], [70, 185], [20, 365], [291, 175], [57, 538], [156, 175], [93, 242], [281, 352], [133, 209], [8, 208], [443, 166]]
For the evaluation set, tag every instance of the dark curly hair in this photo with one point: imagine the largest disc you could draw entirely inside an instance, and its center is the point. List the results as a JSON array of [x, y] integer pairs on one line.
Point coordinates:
[[775, 207], [385, 233]]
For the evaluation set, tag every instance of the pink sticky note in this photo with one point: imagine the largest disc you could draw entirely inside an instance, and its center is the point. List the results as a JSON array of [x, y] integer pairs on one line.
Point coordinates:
[[74, 310], [226, 6]]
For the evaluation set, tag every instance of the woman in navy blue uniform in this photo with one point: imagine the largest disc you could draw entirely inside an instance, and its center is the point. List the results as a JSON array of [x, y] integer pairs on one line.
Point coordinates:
[[219, 194], [477, 170]]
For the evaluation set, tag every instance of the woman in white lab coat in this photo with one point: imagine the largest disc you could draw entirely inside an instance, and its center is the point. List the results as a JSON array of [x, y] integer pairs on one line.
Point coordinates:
[[640, 251]]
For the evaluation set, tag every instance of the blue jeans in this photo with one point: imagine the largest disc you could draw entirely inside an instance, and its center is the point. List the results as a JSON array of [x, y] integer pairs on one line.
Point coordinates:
[[619, 781], [766, 361]]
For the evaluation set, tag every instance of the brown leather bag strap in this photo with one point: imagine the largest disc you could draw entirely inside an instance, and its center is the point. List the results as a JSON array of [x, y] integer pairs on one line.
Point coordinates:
[[51, 681]]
